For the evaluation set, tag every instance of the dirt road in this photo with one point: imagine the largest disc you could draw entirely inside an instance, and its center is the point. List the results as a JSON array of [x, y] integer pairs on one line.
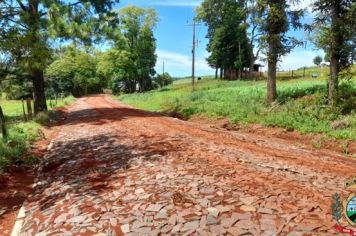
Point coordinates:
[[115, 170]]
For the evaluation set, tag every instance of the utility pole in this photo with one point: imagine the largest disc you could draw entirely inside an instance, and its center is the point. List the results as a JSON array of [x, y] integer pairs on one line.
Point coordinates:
[[193, 60], [163, 68], [193, 54]]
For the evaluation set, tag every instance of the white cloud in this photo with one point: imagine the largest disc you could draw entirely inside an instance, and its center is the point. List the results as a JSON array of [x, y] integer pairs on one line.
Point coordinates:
[[179, 64]]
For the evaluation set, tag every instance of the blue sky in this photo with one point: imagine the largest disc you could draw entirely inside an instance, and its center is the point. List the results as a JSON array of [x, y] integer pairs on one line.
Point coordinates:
[[174, 38]]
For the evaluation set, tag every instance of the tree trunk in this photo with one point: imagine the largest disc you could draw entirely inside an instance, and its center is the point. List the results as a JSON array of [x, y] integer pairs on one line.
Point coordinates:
[[271, 80], [252, 63], [39, 97], [2, 124], [216, 73], [221, 73], [334, 53]]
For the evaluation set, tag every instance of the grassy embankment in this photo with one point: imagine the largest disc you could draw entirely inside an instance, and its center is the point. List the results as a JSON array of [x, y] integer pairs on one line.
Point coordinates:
[[301, 104], [21, 133]]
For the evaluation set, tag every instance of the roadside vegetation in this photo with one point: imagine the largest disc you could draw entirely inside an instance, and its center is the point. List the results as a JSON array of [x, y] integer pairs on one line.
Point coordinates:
[[21, 134], [301, 104]]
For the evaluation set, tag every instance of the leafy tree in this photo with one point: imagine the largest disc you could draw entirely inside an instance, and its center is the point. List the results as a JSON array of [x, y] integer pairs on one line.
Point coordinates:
[[228, 43], [75, 73], [276, 21], [164, 79], [137, 26], [27, 26], [120, 68], [318, 60], [335, 32], [254, 20]]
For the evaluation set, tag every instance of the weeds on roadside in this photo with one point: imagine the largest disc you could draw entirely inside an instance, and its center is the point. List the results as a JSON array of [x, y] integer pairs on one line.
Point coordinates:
[[301, 104]]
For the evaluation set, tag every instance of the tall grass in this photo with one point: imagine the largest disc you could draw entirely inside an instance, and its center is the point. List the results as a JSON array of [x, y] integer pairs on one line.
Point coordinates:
[[301, 104]]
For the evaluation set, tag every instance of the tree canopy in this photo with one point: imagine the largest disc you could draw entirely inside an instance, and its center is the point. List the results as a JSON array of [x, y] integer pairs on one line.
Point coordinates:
[[29, 29], [227, 33]]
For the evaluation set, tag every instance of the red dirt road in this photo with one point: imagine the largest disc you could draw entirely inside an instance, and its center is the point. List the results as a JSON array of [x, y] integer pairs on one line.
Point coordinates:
[[115, 170]]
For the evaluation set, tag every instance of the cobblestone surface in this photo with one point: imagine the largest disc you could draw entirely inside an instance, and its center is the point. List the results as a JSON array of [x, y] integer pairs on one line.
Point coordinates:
[[114, 170]]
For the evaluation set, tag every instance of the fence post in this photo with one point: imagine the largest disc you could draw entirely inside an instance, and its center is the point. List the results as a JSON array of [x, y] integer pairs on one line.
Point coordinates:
[[29, 108], [2, 124], [23, 110]]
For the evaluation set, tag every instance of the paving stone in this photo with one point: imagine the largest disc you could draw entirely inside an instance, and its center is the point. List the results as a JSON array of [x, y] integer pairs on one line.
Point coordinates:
[[248, 208], [137, 224], [125, 228], [143, 230], [192, 225], [172, 220], [155, 207], [217, 230], [245, 224], [61, 219], [77, 219], [213, 211], [211, 220], [166, 229], [113, 222], [176, 228], [265, 211], [247, 200], [228, 222], [204, 202], [235, 231]]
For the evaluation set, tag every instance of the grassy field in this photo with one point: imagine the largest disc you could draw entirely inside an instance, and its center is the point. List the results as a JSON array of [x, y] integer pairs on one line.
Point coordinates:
[[13, 108], [301, 104], [21, 134]]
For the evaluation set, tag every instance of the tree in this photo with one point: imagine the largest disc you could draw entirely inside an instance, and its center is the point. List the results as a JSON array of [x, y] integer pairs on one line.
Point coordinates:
[[254, 20], [276, 21], [228, 43], [164, 79], [335, 32], [120, 67], [27, 26], [73, 72], [137, 26], [318, 60]]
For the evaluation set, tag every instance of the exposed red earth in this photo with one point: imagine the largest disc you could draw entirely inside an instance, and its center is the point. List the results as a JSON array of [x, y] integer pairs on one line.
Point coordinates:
[[115, 170]]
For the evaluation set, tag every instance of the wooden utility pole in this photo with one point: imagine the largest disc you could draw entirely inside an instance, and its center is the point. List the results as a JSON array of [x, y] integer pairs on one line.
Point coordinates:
[[163, 68], [193, 54], [193, 60]]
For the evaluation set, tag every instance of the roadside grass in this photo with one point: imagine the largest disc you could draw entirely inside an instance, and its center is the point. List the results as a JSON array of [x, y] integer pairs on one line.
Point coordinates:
[[301, 104], [13, 149]]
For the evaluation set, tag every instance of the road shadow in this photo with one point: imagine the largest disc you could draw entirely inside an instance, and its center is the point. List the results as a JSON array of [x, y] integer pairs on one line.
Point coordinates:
[[99, 116], [85, 166]]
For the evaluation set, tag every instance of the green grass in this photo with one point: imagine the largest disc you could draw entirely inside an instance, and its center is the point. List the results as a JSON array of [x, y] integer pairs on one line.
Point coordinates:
[[301, 104], [13, 108], [13, 149]]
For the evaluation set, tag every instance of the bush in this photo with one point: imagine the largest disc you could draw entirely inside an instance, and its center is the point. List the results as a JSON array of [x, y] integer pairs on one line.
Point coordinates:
[[13, 149]]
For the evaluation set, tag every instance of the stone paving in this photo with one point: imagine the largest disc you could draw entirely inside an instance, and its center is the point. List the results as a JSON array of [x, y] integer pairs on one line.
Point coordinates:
[[113, 170]]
